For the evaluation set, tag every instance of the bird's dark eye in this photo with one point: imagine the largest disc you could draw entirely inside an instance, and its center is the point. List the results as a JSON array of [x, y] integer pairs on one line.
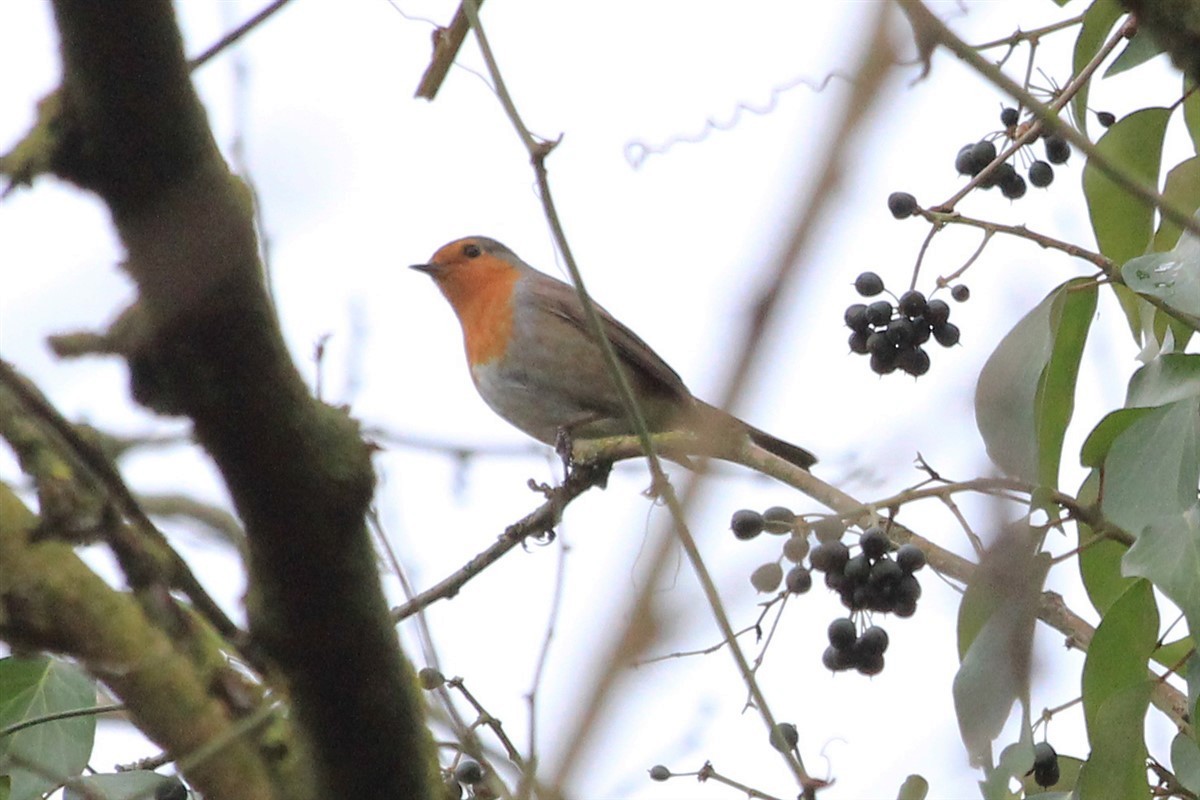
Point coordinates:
[[472, 251]]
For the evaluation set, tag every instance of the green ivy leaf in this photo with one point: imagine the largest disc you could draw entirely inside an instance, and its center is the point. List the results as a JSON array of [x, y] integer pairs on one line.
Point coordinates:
[[1173, 277], [1120, 650], [1138, 50], [1099, 561], [53, 751], [1117, 764], [995, 633], [1153, 467], [1167, 552], [1098, 20], [1191, 112], [1071, 316], [1123, 223], [1166, 379], [1116, 695], [1182, 191], [1100, 440], [1185, 762], [1026, 391]]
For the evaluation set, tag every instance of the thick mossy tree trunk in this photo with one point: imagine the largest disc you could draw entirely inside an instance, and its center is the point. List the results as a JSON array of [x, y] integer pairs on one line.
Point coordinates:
[[202, 340]]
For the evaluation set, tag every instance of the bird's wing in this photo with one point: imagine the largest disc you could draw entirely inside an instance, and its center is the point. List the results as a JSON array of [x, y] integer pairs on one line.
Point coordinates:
[[562, 300]]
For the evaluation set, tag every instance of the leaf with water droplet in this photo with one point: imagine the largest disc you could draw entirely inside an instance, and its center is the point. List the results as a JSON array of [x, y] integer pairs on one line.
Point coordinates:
[[1173, 277]]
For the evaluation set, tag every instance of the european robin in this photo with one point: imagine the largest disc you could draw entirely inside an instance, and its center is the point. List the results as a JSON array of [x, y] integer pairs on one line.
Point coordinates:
[[535, 362]]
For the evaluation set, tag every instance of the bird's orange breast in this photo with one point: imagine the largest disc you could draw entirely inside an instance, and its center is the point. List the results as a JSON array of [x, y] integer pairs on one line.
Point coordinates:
[[482, 298]]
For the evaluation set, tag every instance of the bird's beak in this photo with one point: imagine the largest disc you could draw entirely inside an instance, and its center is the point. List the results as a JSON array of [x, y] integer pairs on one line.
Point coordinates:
[[428, 269]]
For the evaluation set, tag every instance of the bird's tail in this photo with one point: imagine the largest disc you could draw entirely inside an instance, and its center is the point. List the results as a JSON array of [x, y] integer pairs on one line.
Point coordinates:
[[789, 452], [720, 420]]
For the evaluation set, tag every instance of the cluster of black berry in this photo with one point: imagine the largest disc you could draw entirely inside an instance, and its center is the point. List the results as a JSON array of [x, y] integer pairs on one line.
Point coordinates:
[[849, 650], [747, 524], [894, 335], [1045, 765], [871, 581], [973, 157]]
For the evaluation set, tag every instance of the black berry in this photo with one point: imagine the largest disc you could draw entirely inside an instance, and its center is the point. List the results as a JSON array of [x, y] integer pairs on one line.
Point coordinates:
[[879, 342], [1045, 764], [912, 303], [829, 556], [1106, 118], [659, 773], [884, 363], [900, 332], [856, 317], [902, 204], [842, 633], [857, 569], [879, 312], [914, 360], [868, 284], [799, 580], [837, 659], [910, 558], [1041, 174], [982, 154], [937, 312], [1009, 116], [946, 335], [964, 162], [746, 524], [858, 342], [1057, 149], [961, 293], [873, 640], [1013, 186], [874, 542]]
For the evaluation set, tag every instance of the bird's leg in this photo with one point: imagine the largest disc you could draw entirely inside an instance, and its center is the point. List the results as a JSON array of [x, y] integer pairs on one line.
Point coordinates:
[[564, 445]]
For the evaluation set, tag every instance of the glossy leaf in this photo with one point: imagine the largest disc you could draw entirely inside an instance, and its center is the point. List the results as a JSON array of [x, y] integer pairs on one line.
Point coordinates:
[[1153, 466], [1025, 395], [1138, 50], [1182, 191], [1100, 440], [1173, 276], [1120, 649], [1116, 694], [1167, 553], [1123, 223], [1185, 762], [1070, 319], [995, 632], [1170, 377], [34, 757], [1191, 113], [1099, 561], [1117, 764]]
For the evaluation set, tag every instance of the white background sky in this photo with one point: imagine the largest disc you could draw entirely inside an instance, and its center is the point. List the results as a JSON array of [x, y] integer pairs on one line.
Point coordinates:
[[357, 180]]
